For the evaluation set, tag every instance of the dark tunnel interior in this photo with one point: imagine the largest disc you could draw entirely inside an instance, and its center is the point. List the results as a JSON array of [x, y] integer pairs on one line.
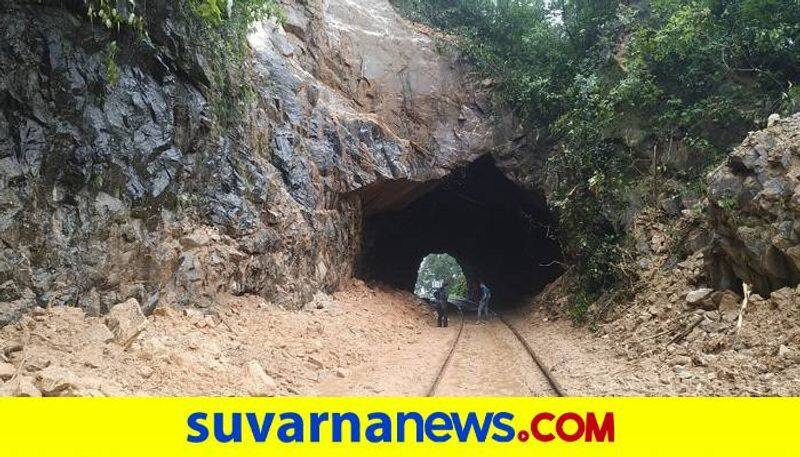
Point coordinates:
[[496, 231]]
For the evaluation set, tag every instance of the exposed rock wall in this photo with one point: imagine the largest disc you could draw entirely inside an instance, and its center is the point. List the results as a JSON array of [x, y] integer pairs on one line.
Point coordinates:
[[755, 209], [132, 190]]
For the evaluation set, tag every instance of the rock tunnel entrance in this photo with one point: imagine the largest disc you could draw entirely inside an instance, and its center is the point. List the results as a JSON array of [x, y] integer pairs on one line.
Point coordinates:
[[497, 232]]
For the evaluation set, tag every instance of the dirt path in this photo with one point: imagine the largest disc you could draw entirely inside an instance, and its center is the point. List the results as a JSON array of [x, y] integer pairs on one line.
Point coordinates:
[[489, 361], [406, 370], [584, 364]]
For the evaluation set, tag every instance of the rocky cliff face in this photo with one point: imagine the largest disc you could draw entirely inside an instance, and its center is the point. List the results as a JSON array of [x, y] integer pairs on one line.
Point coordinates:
[[132, 190], [755, 209]]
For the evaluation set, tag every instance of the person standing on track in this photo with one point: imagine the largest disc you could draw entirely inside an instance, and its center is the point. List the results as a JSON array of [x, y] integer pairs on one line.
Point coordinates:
[[440, 301], [483, 304]]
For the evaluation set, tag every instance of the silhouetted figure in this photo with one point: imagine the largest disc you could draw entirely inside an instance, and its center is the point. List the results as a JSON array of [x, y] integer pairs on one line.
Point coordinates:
[[440, 301], [483, 304]]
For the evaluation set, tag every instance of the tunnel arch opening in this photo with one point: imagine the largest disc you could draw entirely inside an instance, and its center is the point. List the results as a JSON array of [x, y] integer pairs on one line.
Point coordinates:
[[441, 269], [499, 233]]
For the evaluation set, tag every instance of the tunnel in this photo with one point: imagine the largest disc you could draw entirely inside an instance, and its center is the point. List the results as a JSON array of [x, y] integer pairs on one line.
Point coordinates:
[[499, 233]]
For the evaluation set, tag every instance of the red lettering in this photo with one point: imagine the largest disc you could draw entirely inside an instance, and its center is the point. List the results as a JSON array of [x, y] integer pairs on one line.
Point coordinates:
[[543, 437], [570, 437], [604, 432]]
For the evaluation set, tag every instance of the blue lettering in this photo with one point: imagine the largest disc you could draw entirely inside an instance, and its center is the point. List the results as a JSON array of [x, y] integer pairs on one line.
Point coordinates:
[[194, 423], [472, 425], [260, 432], [402, 418], [294, 424], [445, 425], [219, 428], [316, 424], [338, 420], [383, 425], [498, 422]]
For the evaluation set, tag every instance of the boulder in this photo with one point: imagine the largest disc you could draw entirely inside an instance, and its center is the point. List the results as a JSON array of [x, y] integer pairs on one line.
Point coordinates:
[[696, 296], [754, 202], [728, 304], [99, 333], [55, 381], [126, 321], [258, 382]]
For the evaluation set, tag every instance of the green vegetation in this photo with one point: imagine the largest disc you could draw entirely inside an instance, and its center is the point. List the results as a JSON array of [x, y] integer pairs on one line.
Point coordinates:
[[218, 27], [112, 70], [221, 32], [437, 269], [630, 95], [116, 15]]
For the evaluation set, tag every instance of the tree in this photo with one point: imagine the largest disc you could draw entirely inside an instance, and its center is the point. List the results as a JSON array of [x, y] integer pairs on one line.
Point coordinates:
[[438, 269]]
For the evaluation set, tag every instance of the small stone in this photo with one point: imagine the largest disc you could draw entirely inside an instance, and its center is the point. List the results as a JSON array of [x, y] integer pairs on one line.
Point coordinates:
[[258, 382], [56, 381], [659, 243], [700, 360], [165, 311], [38, 311], [195, 240], [729, 305], [22, 386], [784, 351], [681, 360], [773, 119], [126, 321], [6, 371], [683, 374], [342, 373], [315, 362], [146, 371], [696, 296], [11, 347], [91, 356], [99, 333], [36, 363]]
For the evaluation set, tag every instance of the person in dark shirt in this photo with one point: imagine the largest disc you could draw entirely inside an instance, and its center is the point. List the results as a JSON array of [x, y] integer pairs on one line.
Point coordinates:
[[440, 304], [483, 304]]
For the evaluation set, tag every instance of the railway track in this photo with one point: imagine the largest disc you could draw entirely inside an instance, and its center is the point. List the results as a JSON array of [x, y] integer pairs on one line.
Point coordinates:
[[556, 387], [440, 374]]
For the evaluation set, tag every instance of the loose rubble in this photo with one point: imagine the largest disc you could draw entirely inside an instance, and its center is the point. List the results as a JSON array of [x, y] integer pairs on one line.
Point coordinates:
[[243, 346], [678, 326]]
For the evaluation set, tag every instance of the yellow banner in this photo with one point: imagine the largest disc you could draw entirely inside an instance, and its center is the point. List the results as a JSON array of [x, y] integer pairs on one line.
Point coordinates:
[[175, 427]]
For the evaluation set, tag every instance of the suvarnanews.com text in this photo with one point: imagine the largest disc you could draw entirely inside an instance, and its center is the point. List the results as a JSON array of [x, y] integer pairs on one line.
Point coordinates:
[[400, 427]]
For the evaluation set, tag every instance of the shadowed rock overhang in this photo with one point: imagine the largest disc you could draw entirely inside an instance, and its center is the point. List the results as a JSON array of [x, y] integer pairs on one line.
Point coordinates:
[[499, 233]]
